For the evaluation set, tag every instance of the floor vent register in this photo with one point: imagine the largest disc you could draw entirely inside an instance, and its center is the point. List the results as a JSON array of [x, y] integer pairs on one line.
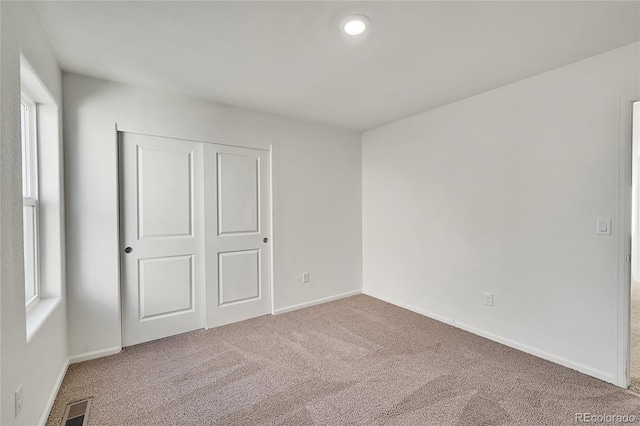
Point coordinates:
[[77, 413]]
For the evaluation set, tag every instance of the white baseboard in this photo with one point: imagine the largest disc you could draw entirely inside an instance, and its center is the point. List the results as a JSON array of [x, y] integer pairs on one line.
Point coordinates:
[[95, 354], [315, 302], [54, 393], [610, 378]]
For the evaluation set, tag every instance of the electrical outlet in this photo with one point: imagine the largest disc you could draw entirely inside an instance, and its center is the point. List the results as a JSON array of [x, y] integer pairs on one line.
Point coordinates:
[[18, 400], [488, 299], [603, 227], [305, 277]]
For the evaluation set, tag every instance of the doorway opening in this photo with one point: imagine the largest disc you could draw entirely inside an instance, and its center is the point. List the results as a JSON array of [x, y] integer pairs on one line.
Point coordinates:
[[635, 252]]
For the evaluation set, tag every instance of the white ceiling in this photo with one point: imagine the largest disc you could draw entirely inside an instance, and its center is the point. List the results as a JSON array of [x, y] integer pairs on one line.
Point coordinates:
[[291, 58]]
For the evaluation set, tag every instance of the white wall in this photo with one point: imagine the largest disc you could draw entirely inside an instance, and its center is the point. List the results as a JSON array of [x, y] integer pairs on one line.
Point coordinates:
[[500, 193], [36, 365], [316, 193]]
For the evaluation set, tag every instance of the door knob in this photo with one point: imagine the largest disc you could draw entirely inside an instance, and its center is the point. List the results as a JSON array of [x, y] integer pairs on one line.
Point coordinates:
[[265, 240], [128, 250]]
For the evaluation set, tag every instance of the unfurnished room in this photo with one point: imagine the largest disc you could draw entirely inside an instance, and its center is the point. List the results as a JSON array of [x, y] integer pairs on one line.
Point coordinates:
[[319, 213]]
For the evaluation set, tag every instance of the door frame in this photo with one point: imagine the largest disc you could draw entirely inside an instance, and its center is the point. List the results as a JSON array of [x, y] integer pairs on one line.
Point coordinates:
[[625, 114], [127, 127]]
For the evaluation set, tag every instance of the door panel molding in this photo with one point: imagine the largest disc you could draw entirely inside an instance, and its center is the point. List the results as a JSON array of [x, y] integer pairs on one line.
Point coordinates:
[[243, 211], [243, 288], [168, 183], [153, 306]]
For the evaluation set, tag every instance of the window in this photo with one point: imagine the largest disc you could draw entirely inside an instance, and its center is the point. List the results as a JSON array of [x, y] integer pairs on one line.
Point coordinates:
[[43, 203], [30, 207]]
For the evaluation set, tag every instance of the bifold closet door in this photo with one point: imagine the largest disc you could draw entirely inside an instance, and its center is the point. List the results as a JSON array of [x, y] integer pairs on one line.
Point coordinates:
[[238, 232], [162, 237]]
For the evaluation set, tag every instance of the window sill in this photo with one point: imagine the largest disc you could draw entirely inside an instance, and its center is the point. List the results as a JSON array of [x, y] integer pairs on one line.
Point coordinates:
[[38, 315]]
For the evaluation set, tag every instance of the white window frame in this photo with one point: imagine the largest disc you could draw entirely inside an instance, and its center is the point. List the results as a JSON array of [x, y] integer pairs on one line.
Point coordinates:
[[29, 138]]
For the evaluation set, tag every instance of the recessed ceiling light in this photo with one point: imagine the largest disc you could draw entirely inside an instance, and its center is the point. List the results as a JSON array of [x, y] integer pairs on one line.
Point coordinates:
[[355, 24]]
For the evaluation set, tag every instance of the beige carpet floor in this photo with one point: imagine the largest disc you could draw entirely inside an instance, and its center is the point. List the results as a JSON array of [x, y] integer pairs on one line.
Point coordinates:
[[635, 337], [355, 361]]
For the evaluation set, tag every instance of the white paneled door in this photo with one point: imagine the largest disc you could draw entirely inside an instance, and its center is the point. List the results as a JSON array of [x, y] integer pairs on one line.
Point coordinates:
[[162, 237], [196, 224], [238, 228]]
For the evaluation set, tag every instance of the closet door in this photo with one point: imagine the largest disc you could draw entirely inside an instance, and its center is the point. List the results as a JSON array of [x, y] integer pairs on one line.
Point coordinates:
[[162, 237], [238, 232]]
